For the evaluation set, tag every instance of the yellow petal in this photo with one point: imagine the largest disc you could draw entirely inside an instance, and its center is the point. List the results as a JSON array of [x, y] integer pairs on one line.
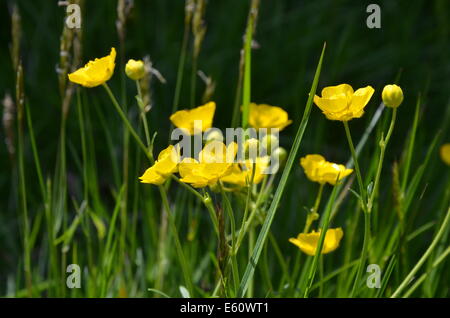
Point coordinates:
[[332, 91], [201, 116], [266, 116], [445, 153], [95, 72], [308, 242], [360, 100], [152, 176], [331, 105], [317, 169]]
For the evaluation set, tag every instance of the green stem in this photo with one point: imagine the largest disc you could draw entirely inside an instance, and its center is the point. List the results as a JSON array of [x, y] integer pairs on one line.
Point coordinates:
[[23, 202], [180, 71], [251, 265], [323, 231], [83, 146], [311, 215], [246, 96], [207, 201], [179, 248], [383, 144], [362, 194], [363, 257], [144, 118], [355, 160], [127, 122]]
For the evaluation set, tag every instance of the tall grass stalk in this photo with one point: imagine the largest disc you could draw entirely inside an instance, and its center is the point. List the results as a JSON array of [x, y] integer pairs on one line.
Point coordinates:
[[162, 190], [323, 231], [250, 269], [362, 199], [424, 257]]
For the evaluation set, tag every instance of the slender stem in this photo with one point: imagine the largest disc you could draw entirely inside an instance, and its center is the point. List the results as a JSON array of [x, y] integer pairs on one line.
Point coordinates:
[[189, 188], [363, 257], [144, 119], [246, 96], [323, 231], [311, 215], [251, 246], [180, 70], [251, 265], [179, 248], [212, 212], [355, 160], [83, 146], [424, 257], [23, 202], [383, 144], [362, 194], [127, 122], [247, 222]]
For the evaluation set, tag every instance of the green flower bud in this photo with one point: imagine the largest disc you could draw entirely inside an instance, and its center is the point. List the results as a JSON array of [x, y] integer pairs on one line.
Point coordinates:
[[135, 69], [270, 141], [392, 95]]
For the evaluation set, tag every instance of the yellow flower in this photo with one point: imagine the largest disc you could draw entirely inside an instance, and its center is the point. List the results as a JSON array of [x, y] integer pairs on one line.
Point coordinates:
[[166, 164], [392, 95], [241, 174], [95, 72], [216, 161], [319, 170], [308, 242], [266, 116], [341, 103], [445, 153], [185, 119], [135, 69]]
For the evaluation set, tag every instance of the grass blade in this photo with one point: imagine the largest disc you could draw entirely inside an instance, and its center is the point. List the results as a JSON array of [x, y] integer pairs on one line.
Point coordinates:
[[280, 189]]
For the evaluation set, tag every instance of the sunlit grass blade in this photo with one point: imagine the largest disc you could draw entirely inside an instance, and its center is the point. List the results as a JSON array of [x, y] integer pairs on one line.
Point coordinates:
[[246, 93], [280, 189], [324, 227], [386, 275], [424, 257]]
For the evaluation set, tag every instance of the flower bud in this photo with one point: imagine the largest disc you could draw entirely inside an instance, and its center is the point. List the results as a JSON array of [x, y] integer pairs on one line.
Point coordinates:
[[135, 69], [445, 153], [281, 154], [392, 95], [270, 142]]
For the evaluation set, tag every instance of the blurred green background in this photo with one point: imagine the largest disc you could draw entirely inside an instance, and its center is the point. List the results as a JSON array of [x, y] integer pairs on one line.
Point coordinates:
[[413, 41]]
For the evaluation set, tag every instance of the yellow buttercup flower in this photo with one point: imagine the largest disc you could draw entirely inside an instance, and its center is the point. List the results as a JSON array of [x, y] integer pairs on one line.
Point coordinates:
[[95, 72], [342, 103], [241, 174], [445, 153], [216, 161], [392, 95], [319, 170], [308, 242], [266, 116], [166, 164], [135, 69], [185, 119]]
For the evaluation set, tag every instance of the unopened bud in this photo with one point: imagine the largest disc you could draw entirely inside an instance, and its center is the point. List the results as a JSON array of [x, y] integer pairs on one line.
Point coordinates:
[[392, 95]]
